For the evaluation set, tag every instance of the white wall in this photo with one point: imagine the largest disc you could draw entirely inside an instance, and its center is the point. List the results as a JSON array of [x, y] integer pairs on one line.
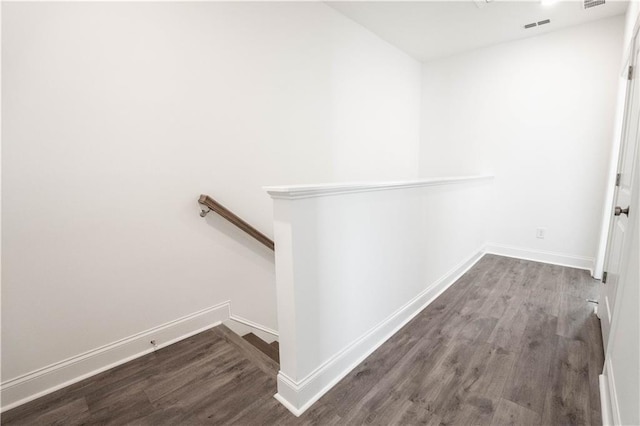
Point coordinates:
[[117, 116], [352, 268], [538, 114]]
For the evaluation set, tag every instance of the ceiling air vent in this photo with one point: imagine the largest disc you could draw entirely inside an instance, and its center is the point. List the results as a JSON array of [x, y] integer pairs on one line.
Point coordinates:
[[537, 24], [592, 3]]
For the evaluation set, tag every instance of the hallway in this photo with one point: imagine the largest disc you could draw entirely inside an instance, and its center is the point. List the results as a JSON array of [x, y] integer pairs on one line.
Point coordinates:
[[511, 342]]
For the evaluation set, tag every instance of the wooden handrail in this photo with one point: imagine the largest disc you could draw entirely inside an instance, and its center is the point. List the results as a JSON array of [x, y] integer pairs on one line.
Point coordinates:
[[212, 204]]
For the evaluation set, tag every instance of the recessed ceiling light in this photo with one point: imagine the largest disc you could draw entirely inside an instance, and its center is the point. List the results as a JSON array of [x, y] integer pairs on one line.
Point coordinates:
[[548, 2]]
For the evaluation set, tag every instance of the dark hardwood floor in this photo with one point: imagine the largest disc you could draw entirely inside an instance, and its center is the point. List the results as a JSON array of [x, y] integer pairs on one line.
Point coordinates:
[[512, 342]]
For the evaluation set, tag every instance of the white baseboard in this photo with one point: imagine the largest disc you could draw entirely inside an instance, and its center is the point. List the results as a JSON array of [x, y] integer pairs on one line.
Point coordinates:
[[610, 382], [242, 326], [605, 401], [299, 396], [579, 262], [38, 383]]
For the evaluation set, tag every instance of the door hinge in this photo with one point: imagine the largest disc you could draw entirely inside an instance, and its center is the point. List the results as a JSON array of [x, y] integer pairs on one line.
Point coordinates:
[[604, 278], [630, 72], [618, 176]]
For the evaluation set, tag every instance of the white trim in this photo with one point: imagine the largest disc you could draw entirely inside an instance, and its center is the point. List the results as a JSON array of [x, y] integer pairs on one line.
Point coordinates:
[[287, 405], [295, 192], [252, 324], [242, 329], [298, 396], [33, 385], [605, 401], [572, 261], [613, 395]]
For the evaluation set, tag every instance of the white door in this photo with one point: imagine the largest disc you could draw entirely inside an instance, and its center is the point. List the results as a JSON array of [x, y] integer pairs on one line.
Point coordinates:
[[620, 217], [620, 379]]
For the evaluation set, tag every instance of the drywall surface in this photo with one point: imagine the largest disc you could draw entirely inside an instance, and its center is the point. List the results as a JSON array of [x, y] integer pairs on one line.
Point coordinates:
[[354, 264], [539, 115], [117, 116]]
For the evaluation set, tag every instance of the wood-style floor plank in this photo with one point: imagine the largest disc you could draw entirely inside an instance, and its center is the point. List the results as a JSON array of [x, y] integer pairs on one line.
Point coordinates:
[[488, 371], [529, 376], [474, 410], [75, 412], [511, 342], [512, 414], [567, 400], [269, 350]]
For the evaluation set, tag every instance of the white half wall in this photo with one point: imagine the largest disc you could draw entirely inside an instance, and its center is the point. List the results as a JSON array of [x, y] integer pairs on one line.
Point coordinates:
[[538, 114], [118, 115], [355, 262]]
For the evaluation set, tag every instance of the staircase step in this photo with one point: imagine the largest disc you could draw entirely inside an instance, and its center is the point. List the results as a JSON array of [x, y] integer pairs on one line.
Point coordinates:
[[263, 362], [276, 345], [263, 346]]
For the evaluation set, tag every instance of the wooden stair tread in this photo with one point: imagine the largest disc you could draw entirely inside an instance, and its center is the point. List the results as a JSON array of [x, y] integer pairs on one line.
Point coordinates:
[[263, 346], [264, 362], [276, 345]]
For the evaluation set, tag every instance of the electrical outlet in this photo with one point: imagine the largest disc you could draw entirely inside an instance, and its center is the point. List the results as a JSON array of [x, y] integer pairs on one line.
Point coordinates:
[[540, 233]]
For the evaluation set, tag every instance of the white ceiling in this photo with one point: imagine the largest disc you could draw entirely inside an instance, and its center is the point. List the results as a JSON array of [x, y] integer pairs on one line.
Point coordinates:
[[431, 29]]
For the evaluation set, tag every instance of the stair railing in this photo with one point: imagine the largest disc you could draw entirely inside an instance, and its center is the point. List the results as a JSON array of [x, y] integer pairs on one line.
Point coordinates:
[[213, 205]]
